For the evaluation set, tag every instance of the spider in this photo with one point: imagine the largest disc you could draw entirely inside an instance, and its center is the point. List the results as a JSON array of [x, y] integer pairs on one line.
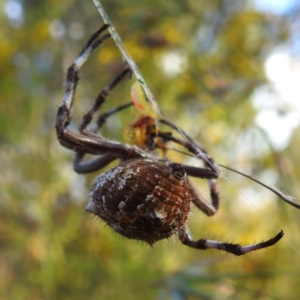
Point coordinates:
[[146, 196]]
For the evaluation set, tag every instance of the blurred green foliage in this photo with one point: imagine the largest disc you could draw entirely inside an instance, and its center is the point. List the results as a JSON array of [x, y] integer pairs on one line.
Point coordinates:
[[52, 249]]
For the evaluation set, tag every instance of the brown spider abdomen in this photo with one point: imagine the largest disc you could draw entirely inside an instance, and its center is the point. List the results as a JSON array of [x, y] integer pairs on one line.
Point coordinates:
[[142, 199]]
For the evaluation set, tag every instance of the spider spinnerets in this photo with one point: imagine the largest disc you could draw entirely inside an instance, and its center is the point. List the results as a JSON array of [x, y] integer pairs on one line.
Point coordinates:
[[146, 197]]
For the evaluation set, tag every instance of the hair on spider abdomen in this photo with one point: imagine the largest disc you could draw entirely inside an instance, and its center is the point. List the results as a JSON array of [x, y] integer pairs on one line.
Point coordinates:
[[142, 199]]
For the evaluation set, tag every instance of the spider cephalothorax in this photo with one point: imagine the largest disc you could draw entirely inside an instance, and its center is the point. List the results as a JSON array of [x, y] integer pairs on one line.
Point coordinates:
[[142, 133], [146, 197]]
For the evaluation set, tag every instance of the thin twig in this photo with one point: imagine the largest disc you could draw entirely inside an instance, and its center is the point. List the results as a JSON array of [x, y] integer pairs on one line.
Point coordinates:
[[126, 55]]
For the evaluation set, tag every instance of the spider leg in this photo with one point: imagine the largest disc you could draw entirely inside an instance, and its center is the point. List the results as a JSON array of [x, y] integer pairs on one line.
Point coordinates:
[[236, 249], [85, 142], [93, 164], [99, 101], [104, 116], [90, 143], [99, 162], [72, 73], [200, 201], [191, 145], [194, 148], [63, 114]]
